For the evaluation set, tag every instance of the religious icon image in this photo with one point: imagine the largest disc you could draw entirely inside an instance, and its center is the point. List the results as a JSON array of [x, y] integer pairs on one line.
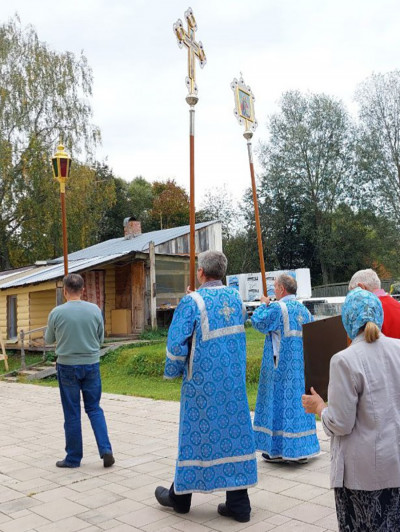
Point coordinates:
[[244, 112], [245, 104]]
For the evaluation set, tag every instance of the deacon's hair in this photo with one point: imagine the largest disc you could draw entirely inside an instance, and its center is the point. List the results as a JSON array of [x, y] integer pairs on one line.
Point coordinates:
[[214, 264], [371, 332], [73, 283], [288, 282], [368, 277]]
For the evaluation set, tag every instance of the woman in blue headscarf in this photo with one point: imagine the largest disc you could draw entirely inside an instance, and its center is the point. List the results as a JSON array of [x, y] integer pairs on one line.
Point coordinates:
[[363, 420]]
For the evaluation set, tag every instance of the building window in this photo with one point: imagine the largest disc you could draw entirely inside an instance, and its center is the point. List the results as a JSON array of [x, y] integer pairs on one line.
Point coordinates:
[[12, 317]]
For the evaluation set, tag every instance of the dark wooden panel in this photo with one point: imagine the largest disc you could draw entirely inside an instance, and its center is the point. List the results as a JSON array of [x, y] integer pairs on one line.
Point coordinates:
[[321, 340], [123, 287]]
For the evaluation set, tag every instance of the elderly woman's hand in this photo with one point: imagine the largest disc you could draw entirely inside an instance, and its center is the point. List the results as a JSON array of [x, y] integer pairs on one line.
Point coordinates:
[[313, 404]]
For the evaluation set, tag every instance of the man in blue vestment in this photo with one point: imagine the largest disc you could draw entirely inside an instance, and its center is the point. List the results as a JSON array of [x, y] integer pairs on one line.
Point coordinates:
[[282, 429], [207, 345]]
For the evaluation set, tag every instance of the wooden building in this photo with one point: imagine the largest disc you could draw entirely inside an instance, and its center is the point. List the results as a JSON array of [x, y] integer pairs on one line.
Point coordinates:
[[131, 279]]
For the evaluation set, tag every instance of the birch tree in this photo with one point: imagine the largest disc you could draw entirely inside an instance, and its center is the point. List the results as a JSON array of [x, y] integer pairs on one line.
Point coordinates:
[[44, 96]]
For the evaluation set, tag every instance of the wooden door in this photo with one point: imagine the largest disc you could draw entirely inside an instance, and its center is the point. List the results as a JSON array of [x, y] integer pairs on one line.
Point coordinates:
[[138, 288], [12, 317]]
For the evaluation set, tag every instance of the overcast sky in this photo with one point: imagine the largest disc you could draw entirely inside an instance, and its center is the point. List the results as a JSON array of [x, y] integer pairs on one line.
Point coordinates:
[[139, 72]]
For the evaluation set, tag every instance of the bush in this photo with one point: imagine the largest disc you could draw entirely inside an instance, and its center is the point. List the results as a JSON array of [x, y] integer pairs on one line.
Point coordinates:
[[395, 288], [151, 365], [148, 359], [150, 334]]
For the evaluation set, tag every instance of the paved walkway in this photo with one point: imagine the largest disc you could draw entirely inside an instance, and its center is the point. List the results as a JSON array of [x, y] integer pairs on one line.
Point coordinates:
[[37, 496]]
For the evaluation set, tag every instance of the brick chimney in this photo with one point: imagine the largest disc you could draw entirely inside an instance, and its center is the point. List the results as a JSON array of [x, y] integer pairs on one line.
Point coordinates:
[[132, 227]]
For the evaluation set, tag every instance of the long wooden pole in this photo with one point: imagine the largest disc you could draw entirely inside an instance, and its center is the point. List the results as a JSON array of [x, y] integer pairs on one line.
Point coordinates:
[[192, 216], [64, 229], [257, 217]]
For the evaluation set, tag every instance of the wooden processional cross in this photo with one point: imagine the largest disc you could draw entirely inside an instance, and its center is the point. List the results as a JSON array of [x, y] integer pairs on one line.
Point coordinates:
[[244, 112], [195, 52]]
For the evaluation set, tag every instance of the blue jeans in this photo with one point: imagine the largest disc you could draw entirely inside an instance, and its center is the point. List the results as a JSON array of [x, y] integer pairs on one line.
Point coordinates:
[[72, 380]]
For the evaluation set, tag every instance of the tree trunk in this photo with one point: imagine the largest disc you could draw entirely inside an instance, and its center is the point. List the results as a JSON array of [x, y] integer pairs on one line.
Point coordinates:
[[325, 273], [4, 253], [319, 221]]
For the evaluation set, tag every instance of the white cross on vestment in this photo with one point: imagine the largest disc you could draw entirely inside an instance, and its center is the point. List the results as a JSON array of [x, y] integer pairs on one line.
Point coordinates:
[[227, 311]]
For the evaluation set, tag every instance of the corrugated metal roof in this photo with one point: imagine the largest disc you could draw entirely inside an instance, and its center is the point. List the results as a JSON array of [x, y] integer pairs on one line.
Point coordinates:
[[124, 246], [93, 255], [47, 273], [10, 273]]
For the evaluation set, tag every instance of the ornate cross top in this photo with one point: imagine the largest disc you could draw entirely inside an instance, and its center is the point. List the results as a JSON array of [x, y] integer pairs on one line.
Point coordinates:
[[195, 49]]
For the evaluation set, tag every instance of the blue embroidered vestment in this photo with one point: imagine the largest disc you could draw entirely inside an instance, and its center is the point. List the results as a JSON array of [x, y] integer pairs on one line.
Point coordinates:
[[281, 426], [207, 344]]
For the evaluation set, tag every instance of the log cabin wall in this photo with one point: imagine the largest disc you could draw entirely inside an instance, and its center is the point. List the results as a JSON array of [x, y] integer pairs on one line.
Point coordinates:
[[26, 317], [40, 305]]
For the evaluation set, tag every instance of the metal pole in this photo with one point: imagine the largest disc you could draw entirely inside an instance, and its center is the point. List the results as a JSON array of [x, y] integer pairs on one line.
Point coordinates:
[[22, 336], [44, 344], [64, 227], [257, 217], [192, 216]]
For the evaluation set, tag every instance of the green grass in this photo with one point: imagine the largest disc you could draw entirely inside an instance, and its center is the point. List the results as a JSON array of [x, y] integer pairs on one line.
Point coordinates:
[[149, 334], [14, 361], [138, 369]]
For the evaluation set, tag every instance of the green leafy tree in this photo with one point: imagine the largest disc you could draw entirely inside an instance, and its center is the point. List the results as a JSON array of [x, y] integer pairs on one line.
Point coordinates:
[[242, 252], [43, 97], [89, 195], [218, 204], [309, 162], [111, 224], [379, 142], [170, 204], [362, 239], [141, 197]]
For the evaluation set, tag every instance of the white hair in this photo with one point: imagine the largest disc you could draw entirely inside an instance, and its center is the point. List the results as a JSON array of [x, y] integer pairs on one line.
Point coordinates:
[[214, 264], [288, 282], [367, 277]]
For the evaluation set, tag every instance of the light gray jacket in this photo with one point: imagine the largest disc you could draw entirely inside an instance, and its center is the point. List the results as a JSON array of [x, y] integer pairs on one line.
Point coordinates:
[[363, 416]]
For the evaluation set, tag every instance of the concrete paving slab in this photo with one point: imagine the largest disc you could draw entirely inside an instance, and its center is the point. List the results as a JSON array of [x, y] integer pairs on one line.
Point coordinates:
[[36, 496]]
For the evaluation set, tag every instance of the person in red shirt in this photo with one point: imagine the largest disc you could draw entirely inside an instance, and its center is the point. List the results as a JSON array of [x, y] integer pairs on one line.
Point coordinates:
[[369, 280]]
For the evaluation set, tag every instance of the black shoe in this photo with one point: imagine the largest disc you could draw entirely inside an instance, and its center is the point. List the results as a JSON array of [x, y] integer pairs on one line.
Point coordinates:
[[224, 510], [298, 461], [108, 459], [276, 460], [63, 463], [162, 496]]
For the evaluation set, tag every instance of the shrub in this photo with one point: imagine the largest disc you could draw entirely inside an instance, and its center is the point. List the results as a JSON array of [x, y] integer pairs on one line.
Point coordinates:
[[149, 364], [150, 334]]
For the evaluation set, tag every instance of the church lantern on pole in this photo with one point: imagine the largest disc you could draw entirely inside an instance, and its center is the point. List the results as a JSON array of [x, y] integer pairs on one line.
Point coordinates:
[[61, 164]]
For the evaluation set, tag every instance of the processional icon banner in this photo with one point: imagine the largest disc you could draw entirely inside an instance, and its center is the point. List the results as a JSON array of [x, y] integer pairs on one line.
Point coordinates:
[[244, 104]]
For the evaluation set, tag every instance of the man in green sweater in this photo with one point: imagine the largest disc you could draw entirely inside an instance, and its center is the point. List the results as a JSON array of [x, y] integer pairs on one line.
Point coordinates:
[[78, 330]]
